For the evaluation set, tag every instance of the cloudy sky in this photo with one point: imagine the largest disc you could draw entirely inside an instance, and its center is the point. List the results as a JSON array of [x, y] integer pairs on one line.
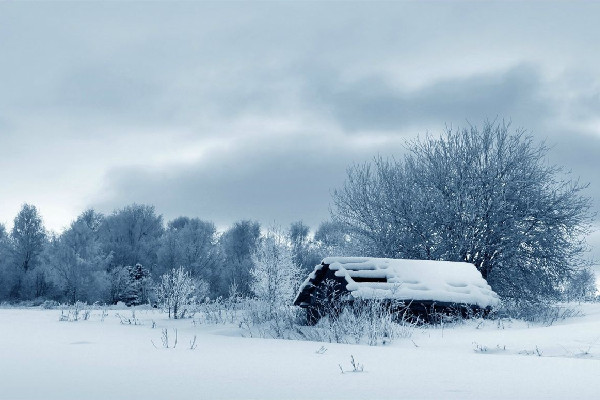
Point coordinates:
[[254, 110]]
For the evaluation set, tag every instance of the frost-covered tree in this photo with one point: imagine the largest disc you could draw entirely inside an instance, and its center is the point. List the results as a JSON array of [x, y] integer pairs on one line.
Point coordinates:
[[131, 235], [6, 268], [305, 253], [138, 291], [119, 284], [192, 244], [131, 284], [333, 239], [299, 236], [28, 238], [75, 277], [77, 264], [482, 195], [176, 292], [275, 275], [84, 234], [237, 245], [582, 287]]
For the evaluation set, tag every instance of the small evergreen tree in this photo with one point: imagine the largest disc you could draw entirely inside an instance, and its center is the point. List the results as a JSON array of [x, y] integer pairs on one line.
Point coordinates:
[[139, 284]]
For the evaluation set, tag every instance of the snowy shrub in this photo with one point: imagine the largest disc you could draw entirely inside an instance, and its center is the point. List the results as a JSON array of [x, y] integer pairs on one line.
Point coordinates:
[[222, 310], [277, 322], [544, 313], [371, 322], [329, 300], [50, 304], [213, 311], [176, 293]]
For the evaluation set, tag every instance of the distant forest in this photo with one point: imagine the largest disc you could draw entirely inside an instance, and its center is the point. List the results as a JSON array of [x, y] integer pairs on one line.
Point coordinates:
[[120, 257]]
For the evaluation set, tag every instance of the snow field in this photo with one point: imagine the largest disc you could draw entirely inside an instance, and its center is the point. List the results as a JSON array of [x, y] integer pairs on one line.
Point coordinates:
[[42, 358]]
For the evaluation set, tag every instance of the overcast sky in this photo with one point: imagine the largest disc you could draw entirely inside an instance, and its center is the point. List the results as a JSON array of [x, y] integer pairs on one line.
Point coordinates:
[[254, 110]]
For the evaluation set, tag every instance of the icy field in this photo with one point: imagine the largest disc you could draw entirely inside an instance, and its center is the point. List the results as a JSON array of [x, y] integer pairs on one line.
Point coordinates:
[[42, 358]]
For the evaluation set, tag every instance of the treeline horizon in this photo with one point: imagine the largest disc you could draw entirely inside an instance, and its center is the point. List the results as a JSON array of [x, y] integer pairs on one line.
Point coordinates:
[[118, 257]]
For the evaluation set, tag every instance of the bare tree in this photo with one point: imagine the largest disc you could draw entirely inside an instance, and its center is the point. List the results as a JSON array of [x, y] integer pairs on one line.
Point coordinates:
[[485, 196]]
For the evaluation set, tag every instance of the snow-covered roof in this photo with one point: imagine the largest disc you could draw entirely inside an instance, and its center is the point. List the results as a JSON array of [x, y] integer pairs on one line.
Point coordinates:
[[409, 280]]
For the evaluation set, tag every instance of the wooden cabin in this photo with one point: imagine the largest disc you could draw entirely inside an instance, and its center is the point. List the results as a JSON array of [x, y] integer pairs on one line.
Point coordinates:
[[422, 287]]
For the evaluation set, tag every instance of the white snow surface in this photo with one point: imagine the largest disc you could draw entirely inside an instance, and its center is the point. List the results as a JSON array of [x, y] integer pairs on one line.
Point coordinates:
[[442, 281], [42, 358]]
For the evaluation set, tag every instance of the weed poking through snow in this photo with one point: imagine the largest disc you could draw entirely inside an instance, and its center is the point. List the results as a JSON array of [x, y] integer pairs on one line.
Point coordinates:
[[77, 312], [129, 320], [356, 366], [193, 344]]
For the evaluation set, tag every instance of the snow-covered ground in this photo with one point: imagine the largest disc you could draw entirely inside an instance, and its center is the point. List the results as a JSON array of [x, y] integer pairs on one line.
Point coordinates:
[[42, 358]]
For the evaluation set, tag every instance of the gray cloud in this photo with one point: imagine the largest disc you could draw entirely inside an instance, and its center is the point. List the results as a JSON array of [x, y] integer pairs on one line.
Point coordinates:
[[375, 104], [108, 92], [289, 181], [579, 155]]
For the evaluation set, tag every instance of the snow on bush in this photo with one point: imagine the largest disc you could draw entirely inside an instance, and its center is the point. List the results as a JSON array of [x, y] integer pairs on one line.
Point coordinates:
[[176, 292]]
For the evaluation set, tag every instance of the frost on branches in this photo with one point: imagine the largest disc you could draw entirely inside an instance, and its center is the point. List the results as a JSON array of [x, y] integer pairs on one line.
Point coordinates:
[[176, 292], [275, 276], [486, 196]]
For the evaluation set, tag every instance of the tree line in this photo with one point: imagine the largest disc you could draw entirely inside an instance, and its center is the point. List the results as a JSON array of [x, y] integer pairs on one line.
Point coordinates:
[[123, 255]]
